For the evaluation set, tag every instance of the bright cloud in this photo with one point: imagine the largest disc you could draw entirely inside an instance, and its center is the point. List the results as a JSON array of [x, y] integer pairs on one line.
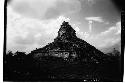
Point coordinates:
[[79, 33], [97, 19], [77, 29], [118, 27], [23, 33], [106, 38], [115, 30]]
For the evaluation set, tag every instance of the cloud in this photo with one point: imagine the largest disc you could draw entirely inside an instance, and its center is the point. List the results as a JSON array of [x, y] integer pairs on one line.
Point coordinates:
[[80, 34], [23, 33], [86, 35], [96, 19], [118, 27], [63, 7], [91, 2], [45, 9], [77, 29], [106, 38], [115, 30]]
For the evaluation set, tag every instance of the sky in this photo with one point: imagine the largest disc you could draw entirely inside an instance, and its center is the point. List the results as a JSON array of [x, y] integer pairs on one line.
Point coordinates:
[[33, 24]]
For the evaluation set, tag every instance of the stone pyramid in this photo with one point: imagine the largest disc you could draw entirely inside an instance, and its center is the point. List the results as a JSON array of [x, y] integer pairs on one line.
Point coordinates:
[[67, 45]]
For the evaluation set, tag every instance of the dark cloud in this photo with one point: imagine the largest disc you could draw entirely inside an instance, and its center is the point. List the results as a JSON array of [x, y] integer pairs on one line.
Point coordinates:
[[40, 9], [63, 7], [52, 13]]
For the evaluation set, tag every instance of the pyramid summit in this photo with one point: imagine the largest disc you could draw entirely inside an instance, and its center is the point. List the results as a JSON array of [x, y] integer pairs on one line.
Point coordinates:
[[66, 31]]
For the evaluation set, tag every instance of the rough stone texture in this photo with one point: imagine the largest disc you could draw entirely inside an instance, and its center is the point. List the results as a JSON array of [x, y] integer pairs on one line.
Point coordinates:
[[68, 45]]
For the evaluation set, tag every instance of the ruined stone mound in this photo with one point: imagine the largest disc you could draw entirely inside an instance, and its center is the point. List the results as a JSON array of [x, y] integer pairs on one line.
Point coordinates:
[[69, 47]]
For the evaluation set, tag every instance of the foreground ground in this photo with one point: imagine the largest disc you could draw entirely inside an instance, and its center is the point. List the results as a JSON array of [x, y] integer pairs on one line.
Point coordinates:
[[51, 68]]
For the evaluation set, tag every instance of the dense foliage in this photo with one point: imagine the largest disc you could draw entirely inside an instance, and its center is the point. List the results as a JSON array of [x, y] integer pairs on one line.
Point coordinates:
[[20, 66]]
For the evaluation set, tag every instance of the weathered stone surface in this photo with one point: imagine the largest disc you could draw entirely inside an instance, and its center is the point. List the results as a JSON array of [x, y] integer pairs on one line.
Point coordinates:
[[68, 45]]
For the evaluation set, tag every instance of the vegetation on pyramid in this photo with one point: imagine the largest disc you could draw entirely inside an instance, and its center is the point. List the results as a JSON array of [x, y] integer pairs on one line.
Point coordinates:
[[68, 46]]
